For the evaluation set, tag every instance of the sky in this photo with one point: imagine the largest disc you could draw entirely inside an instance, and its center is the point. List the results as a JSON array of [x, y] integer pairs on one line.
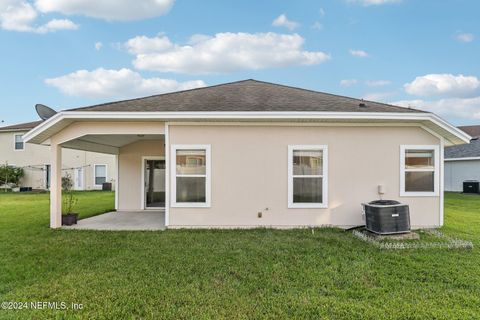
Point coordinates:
[[73, 53]]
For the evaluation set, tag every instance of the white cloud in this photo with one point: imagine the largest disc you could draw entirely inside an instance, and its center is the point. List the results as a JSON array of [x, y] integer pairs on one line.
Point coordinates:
[[98, 45], [465, 37], [19, 15], [348, 82], [282, 21], [222, 53], [317, 26], [378, 96], [377, 83], [145, 45], [373, 2], [321, 12], [460, 108], [359, 53], [448, 85], [107, 9], [116, 84], [57, 24]]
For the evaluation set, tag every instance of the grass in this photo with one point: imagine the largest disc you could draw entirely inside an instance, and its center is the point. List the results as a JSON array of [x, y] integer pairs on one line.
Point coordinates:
[[234, 274]]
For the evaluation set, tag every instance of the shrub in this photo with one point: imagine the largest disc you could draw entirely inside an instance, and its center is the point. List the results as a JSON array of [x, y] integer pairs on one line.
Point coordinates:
[[10, 175]]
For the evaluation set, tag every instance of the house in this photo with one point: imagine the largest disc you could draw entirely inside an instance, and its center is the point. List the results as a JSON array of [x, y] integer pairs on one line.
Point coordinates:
[[251, 153], [462, 162], [87, 169]]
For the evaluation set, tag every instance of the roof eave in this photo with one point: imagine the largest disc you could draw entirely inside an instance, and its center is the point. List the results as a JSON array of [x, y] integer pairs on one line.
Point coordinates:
[[62, 119], [14, 130]]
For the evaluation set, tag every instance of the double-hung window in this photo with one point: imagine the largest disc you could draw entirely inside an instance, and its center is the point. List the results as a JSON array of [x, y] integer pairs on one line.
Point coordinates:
[[191, 176], [100, 174], [419, 170], [307, 176], [18, 142]]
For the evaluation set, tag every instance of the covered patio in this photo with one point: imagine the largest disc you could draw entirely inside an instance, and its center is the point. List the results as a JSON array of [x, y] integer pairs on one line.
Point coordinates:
[[123, 221], [140, 187]]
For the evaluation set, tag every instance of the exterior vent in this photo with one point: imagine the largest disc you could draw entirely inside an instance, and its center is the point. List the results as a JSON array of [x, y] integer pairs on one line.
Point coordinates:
[[386, 217]]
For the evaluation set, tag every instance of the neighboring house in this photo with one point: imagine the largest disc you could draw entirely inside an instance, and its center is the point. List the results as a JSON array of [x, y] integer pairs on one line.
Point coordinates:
[[87, 169], [463, 162], [251, 153]]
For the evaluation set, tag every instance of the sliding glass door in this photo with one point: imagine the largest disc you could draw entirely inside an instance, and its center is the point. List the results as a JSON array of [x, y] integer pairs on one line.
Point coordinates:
[[154, 176]]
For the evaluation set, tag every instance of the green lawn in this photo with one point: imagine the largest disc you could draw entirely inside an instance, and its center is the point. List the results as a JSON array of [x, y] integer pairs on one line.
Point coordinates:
[[247, 274]]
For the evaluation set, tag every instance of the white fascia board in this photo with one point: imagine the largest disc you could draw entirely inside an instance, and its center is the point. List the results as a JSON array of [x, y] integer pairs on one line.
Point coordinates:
[[452, 129], [42, 127], [297, 115]]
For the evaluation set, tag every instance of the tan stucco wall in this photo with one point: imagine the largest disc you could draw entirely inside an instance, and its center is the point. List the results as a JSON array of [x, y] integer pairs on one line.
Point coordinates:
[[37, 156], [249, 174], [130, 171]]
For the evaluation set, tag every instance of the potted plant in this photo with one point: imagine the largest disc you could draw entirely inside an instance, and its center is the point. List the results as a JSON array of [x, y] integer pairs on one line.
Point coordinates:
[[69, 202]]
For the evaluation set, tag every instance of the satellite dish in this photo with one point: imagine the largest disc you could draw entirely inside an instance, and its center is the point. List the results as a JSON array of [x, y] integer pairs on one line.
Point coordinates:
[[44, 112]]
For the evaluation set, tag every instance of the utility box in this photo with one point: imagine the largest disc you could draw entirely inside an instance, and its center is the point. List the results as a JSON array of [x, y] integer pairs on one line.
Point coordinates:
[[471, 186], [106, 186]]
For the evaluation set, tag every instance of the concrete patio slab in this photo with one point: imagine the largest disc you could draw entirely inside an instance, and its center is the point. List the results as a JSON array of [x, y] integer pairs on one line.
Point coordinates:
[[128, 221]]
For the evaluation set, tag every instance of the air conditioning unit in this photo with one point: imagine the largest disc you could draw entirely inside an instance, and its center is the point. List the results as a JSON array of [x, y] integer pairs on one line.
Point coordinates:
[[471, 186], [386, 217]]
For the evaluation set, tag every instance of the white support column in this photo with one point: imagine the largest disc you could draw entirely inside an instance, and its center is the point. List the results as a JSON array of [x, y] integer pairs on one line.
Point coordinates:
[[117, 181], [442, 180], [167, 175], [56, 186]]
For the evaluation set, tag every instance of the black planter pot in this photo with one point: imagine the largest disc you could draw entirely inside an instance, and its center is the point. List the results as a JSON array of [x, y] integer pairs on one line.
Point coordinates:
[[69, 219]]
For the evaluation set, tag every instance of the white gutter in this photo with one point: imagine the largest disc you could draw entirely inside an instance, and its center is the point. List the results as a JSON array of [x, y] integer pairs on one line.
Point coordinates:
[[463, 159], [77, 115]]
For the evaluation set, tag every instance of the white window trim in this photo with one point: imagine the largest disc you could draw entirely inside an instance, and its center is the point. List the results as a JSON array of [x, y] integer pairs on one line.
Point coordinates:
[[15, 142], [436, 171], [173, 174], [324, 149], [94, 173]]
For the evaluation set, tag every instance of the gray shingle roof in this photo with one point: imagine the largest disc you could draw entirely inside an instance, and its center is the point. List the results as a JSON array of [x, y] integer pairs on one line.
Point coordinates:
[[21, 126], [247, 95], [473, 131], [469, 150]]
